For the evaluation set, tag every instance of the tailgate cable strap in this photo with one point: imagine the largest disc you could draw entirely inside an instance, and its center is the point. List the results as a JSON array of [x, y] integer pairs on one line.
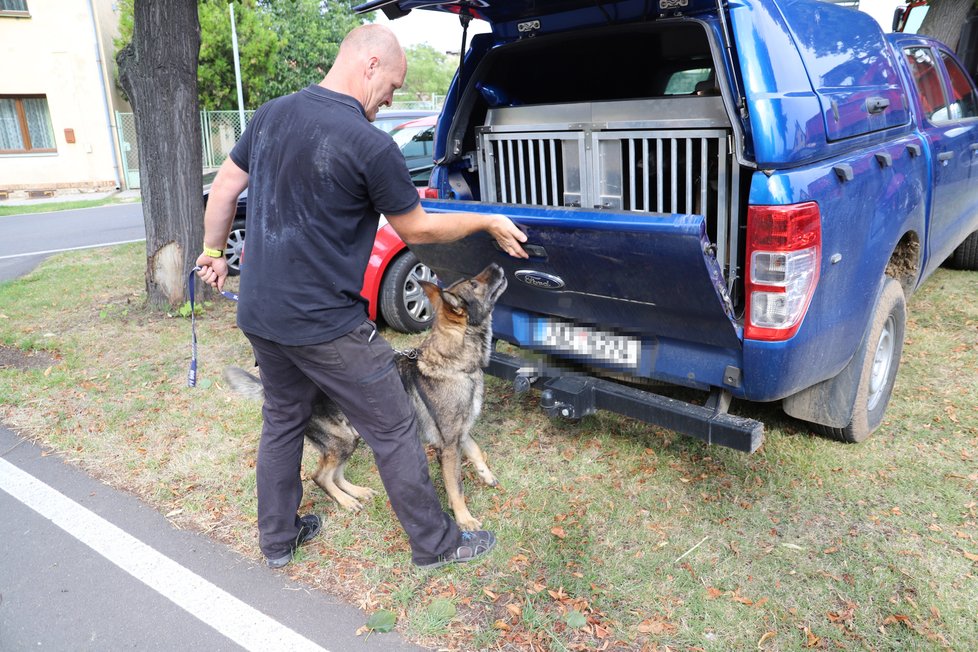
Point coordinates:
[[192, 373]]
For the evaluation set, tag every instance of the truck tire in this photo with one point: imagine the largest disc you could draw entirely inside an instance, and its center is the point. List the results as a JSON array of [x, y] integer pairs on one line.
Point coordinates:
[[403, 303], [880, 359], [966, 255]]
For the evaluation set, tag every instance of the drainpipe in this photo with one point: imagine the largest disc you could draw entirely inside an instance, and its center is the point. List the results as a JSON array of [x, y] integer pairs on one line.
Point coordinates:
[[113, 140]]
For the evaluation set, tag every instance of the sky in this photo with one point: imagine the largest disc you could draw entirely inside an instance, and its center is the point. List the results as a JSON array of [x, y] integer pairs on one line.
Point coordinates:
[[436, 28]]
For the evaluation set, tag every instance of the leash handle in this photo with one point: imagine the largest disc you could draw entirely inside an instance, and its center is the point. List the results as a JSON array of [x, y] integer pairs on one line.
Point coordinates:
[[191, 284]]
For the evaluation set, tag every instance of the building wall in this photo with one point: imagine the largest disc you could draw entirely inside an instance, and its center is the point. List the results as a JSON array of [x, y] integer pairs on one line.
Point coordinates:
[[62, 52]]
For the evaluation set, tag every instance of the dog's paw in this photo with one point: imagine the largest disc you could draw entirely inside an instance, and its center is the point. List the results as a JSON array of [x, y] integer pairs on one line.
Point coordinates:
[[347, 502], [361, 493], [468, 522], [486, 476]]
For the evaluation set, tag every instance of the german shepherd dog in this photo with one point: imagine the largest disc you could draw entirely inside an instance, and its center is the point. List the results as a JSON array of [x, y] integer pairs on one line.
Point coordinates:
[[444, 379]]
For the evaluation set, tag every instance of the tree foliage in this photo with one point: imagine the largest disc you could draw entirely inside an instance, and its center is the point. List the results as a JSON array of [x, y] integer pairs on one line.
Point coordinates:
[[257, 51], [429, 72], [283, 45], [309, 33]]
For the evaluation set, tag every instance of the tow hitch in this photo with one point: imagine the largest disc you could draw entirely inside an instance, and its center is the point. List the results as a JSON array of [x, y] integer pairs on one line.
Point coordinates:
[[576, 396]]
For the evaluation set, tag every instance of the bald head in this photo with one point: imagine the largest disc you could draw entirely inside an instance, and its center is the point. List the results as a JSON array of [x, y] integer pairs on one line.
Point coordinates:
[[371, 40], [369, 67]]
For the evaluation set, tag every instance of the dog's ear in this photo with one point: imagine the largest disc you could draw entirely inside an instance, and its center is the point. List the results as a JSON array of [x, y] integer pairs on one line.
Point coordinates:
[[432, 291], [437, 297], [454, 302]]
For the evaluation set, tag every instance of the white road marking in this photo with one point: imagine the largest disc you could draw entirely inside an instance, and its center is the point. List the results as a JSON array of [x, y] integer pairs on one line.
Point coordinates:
[[217, 608], [58, 251]]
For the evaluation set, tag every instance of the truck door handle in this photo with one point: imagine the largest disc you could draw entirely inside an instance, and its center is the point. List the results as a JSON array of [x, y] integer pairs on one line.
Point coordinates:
[[532, 250], [945, 156], [877, 104], [974, 147]]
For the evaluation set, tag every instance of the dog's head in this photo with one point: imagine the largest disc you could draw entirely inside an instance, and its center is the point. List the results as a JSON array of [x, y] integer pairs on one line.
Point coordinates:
[[469, 299]]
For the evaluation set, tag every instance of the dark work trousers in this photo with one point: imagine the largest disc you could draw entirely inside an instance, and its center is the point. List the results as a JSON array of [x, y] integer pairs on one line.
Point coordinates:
[[357, 371]]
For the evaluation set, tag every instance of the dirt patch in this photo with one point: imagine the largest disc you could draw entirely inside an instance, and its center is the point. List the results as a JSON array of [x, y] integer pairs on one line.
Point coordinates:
[[16, 359]]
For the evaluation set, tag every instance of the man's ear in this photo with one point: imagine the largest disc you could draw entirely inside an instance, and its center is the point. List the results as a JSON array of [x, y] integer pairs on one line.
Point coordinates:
[[373, 63]]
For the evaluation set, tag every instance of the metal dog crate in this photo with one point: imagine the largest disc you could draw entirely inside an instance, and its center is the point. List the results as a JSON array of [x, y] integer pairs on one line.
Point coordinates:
[[670, 155]]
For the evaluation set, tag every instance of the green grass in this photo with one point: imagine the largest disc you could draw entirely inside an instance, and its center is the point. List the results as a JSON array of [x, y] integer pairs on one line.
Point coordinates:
[[48, 207], [657, 539]]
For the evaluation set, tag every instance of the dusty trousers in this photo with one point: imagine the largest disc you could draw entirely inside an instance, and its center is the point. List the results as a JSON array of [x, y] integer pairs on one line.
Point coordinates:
[[357, 371]]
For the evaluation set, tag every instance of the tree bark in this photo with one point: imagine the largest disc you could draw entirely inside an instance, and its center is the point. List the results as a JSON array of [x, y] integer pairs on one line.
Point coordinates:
[[158, 71], [944, 20]]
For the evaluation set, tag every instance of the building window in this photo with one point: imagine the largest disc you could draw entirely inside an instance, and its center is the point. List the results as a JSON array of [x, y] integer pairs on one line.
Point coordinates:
[[15, 7], [25, 125]]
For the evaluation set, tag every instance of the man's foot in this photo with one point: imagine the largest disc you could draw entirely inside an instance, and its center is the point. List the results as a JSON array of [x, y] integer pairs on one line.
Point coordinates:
[[472, 546], [309, 527]]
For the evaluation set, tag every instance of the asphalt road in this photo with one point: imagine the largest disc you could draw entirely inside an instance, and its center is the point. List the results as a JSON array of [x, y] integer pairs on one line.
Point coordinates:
[[84, 566], [26, 240]]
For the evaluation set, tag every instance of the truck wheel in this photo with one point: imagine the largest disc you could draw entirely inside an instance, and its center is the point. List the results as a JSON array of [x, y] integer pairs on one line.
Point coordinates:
[[966, 255], [403, 303], [880, 361]]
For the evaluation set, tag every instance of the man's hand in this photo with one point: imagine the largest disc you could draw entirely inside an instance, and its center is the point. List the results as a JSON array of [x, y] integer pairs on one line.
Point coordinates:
[[508, 236], [213, 271]]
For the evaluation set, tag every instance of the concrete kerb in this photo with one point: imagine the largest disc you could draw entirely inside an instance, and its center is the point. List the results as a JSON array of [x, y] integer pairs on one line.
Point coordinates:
[[120, 195]]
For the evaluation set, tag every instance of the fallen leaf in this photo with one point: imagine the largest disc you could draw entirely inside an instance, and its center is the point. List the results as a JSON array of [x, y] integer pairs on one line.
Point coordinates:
[[712, 593], [442, 610], [969, 556], [898, 618], [514, 610], [764, 639], [381, 621], [558, 532], [810, 639], [575, 619]]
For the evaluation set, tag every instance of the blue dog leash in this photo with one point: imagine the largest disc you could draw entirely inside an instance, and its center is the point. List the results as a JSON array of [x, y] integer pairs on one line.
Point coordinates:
[[192, 373]]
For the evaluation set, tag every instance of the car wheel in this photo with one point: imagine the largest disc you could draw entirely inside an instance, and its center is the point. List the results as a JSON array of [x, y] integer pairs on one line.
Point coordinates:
[[966, 255], [403, 303], [234, 247], [880, 359]]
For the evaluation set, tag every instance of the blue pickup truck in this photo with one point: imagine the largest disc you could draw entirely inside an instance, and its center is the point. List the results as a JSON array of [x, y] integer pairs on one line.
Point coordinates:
[[730, 197]]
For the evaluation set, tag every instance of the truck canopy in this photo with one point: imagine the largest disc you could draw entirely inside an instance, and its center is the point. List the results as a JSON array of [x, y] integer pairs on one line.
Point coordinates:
[[504, 11]]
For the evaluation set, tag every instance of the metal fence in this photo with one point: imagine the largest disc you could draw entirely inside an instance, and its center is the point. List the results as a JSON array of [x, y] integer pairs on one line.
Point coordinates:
[[219, 130]]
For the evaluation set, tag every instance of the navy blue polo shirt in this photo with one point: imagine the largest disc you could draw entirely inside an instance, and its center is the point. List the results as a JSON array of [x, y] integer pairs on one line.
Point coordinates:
[[319, 175]]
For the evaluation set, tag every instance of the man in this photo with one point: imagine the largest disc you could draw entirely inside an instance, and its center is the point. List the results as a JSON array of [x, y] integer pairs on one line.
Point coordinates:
[[318, 175]]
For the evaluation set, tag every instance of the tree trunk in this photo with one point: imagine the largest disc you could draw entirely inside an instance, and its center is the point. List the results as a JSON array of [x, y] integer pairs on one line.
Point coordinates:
[[944, 20], [158, 71]]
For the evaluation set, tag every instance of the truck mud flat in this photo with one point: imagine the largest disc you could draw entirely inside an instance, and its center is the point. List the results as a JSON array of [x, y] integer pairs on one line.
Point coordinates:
[[734, 198]]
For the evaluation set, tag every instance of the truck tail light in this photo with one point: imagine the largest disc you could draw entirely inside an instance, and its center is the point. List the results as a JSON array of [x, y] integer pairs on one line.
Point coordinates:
[[430, 193], [784, 254]]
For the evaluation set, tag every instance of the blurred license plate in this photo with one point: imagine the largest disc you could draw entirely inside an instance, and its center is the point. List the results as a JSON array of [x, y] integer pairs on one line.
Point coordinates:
[[589, 343]]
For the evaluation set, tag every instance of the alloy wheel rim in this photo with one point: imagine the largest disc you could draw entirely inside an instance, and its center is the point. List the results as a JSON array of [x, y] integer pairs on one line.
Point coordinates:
[[415, 301], [882, 360]]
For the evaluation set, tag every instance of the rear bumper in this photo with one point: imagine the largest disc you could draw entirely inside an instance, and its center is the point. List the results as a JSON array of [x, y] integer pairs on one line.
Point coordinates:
[[575, 396]]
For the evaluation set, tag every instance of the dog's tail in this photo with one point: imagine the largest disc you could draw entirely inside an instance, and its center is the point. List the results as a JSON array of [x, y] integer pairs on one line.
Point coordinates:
[[243, 383]]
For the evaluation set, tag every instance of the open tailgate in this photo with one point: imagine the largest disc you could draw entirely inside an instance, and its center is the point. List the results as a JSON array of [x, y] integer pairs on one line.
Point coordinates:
[[646, 274]]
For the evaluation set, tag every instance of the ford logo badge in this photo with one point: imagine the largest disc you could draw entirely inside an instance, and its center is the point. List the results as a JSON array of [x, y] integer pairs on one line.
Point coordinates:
[[539, 279]]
